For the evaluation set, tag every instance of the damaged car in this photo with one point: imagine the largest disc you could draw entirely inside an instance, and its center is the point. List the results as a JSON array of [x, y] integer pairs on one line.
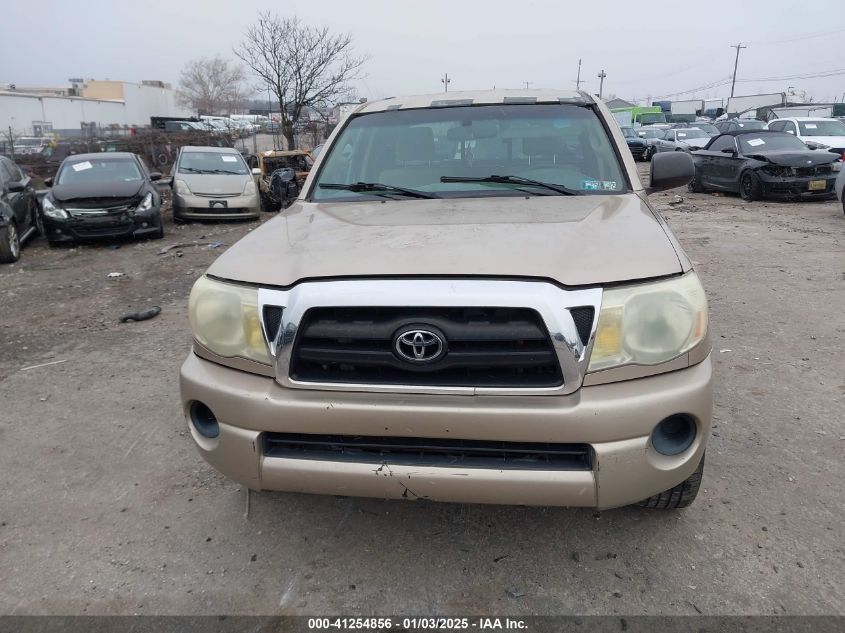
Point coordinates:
[[765, 164], [18, 210], [273, 197], [105, 195]]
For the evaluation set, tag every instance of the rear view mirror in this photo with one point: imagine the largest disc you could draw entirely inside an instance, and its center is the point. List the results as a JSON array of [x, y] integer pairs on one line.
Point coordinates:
[[155, 175], [670, 170], [48, 182]]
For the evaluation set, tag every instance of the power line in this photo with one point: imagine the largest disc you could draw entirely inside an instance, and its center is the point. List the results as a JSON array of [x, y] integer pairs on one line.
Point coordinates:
[[821, 73], [798, 38]]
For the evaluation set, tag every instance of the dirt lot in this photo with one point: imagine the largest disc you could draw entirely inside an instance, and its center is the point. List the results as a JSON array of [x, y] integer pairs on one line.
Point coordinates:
[[106, 507]]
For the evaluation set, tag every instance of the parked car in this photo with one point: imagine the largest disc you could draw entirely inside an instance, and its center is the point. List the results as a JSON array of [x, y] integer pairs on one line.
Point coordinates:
[[655, 139], [31, 145], [105, 195], [817, 133], [184, 126], [213, 183], [18, 210], [705, 126], [687, 138], [267, 163], [636, 144], [514, 325], [763, 164], [840, 188], [738, 125]]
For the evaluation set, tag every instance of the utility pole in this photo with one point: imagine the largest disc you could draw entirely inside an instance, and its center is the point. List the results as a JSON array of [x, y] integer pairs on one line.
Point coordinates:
[[601, 77], [445, 81], [527, 83], [578, 80], [738, 47]]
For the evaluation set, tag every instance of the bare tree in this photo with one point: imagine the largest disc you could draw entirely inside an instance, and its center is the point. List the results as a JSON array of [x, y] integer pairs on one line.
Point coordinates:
[[212, 85], [305, 66]]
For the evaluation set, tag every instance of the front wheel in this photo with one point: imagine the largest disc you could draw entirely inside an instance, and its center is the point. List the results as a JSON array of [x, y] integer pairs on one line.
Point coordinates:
[[694, 185], [10, 244], [679, 496], [749, 187], [159, 230]]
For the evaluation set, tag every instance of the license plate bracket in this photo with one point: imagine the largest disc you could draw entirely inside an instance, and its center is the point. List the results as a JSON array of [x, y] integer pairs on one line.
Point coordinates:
[[218, 204], [817, 185]]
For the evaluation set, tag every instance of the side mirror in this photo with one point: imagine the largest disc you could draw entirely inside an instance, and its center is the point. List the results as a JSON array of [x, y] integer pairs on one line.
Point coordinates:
[[48, 182], [155, 175], [256, 171], [729, 150], [15, 187], [670, 170]]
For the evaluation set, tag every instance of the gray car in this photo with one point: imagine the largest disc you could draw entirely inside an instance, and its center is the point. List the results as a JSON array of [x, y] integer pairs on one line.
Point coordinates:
[[840, 188], [213, 183]]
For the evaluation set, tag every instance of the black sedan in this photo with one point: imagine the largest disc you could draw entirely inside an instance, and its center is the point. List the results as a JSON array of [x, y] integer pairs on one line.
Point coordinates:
[[18, 210], [636, 144], [108, 195], [763, 164]]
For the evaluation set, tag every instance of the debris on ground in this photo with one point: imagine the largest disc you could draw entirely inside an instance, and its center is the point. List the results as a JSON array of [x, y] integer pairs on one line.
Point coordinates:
[[54, 362], [141, 315], [514, 593], [215, 244], [115, 275]]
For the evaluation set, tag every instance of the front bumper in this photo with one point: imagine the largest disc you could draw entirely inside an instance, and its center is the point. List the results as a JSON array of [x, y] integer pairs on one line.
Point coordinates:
[[119, 225], [797, 186], [192, 207], [615, 419]]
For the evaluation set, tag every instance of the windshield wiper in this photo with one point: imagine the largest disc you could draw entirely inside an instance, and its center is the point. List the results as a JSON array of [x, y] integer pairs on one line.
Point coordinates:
[[376, 188], [195, 171], [512, 180]]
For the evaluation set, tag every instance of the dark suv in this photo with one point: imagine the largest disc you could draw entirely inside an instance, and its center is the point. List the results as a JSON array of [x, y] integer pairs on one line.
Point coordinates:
[[18, 210]]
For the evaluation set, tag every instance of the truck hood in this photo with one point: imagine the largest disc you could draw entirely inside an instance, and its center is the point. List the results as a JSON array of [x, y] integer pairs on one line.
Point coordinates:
[[574, 241]]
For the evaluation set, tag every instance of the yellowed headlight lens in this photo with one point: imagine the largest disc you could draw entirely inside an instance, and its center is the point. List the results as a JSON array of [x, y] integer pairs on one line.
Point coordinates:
[[650, 323], [224, 319]]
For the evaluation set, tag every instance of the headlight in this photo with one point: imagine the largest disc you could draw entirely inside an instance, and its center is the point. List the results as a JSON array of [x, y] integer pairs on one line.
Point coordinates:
[[51, 210], [650, 323], [182, 187], [814, 145], [224, 318], [837, 166], [146, 203], [249, 189]]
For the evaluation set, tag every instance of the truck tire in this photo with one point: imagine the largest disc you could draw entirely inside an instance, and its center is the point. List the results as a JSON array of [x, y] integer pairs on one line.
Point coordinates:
[[680, 496], [10, 244]]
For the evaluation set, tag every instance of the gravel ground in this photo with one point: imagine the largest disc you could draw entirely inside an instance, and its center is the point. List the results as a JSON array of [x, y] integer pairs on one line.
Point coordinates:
[[106, 508]]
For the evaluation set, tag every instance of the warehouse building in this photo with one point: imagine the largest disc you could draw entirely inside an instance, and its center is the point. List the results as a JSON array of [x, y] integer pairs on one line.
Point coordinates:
[[86, 107]]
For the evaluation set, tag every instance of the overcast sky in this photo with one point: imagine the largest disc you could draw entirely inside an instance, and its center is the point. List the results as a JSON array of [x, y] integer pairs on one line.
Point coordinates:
[[653, 48]]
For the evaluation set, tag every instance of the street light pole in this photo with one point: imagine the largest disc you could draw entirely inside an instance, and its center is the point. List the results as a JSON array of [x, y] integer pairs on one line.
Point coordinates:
[[445, 81], [578, 79], [601, 77]]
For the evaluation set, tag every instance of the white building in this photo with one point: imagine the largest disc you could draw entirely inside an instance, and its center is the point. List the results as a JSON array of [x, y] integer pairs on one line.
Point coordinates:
[[92, 103]]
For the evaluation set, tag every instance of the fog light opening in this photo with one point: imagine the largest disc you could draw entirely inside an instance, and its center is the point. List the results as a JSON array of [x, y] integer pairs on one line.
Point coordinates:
[[204, 420], [673, 435]]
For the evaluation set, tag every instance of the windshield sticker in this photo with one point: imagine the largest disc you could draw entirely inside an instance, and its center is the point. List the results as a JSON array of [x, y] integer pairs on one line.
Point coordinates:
[[810, 126], [229, 159], [598, 185], [754, 142], [82, 166]]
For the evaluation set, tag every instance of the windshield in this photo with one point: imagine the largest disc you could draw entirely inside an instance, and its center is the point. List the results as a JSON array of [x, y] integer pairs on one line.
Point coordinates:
[[98, 170], [691, 133], [751, 143], [651, 133], [750, 124], [652, 117], [212, 163], [628, 132], [822, 128], [559, 144], [710, 129]]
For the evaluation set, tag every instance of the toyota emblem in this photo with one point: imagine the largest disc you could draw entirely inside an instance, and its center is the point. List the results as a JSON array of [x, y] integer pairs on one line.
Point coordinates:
[[419, 345]]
